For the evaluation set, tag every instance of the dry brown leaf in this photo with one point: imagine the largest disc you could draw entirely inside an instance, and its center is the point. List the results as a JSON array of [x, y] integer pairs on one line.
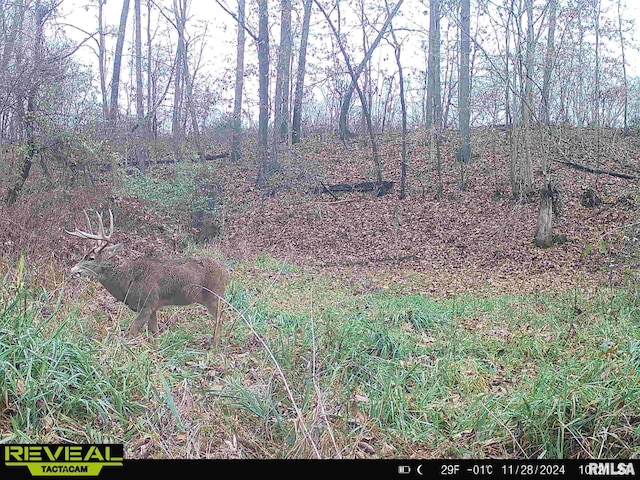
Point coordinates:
[[366, 447]]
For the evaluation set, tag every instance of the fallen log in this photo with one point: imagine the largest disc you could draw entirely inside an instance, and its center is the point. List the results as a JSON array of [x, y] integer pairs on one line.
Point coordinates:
[[379, 189], [596, 171]]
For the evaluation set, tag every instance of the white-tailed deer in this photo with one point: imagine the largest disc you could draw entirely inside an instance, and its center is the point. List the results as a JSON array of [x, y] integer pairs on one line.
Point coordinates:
[[148, 284]]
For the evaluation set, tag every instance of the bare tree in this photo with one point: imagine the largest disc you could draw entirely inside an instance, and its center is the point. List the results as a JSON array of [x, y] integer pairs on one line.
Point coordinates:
[[102, 60], [374, 143], [434, 101], [151, 84], [624, 71], [343, 127], [464, 152], [302, 62], [521, 161], [434, 98], [397, 48], [236, 138], [265, 167], [283, 78], [180, 12], [140, 131], [189, 81], [283, 74], [41, 13], [117, 62], [549, 61]]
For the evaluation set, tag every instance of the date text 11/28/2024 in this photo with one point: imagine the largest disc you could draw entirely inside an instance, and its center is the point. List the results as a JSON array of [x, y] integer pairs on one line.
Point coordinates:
[[500, 469]]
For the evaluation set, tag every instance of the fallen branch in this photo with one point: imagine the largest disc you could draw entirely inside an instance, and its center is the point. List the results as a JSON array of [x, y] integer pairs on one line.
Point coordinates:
[[596, 171], [379, 188], [328, 190]]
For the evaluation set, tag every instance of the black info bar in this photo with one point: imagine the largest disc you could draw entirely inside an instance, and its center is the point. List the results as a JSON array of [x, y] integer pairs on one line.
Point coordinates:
[[110, 461]]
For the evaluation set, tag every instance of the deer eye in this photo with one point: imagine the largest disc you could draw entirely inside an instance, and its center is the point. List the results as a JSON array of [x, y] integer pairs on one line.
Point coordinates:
[[92, 256]]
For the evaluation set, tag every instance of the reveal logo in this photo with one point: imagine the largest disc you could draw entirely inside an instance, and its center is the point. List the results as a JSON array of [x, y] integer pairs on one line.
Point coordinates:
[[63, 460]]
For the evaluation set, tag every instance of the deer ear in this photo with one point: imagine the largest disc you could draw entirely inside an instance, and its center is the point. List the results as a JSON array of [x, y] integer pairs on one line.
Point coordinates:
[[111, 251]]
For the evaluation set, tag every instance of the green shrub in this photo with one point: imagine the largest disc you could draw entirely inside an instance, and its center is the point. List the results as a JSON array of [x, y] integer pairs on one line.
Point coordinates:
[[177, 195]]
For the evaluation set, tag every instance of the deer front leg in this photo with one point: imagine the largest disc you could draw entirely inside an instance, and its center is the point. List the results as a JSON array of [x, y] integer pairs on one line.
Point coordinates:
[[153, 323], [142, 318], [215, 309]]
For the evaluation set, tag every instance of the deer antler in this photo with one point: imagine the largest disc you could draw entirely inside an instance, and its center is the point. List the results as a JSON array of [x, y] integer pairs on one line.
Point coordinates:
[[101, 238]]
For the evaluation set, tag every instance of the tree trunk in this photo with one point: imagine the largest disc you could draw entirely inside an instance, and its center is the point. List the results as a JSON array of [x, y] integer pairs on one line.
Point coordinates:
[[283, 76], [263, 93], [434, 99], [624, 72], [403, 107], [343, 126], [102, 61], [464, 152], [180, 10], [117, 62], [548, 61], [433, 62], [140, 133], [302, 61], [32, 147], [523, 184], [544, 232], [189, 81], [151, 87], [236, 139]]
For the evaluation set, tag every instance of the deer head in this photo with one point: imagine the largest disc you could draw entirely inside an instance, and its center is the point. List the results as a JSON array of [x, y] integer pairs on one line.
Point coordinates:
[[102, 248]]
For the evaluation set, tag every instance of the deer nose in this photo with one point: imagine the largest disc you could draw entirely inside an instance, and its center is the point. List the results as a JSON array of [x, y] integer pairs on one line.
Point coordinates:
[[75, 271]]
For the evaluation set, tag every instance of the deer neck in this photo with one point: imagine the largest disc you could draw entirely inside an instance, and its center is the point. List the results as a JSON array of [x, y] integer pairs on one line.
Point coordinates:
[[117, 281]]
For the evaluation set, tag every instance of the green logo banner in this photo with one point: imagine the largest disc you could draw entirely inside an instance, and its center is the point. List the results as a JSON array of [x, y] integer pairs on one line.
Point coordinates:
[[63, 460]]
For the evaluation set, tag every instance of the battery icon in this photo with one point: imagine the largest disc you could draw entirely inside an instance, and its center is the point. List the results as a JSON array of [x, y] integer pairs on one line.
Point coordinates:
[[404, 469]]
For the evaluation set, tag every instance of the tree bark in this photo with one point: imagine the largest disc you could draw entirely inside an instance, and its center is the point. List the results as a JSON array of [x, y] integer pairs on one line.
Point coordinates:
[[544, 231], [464, 152], [624, 72], [302, 61], [433, 65], [102, 61], [434, 99], [117, 62], [236, 139], [151, 83], [283, 83], [263, 93], [140, 133], [283, 79], [180, 10], [549, 61]]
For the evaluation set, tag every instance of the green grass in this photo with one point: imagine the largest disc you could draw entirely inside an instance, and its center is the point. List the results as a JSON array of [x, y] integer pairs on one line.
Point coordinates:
[[552, 376]]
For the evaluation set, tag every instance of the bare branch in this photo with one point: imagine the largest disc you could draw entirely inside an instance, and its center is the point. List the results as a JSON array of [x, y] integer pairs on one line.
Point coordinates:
[[242, 24]]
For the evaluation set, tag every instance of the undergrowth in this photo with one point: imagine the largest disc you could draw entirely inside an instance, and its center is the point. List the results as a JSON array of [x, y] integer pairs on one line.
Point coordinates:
[[310, 368]]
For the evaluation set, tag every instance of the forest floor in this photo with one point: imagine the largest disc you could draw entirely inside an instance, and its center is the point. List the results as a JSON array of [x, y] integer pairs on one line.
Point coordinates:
[[473, 240], [362, 294]]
